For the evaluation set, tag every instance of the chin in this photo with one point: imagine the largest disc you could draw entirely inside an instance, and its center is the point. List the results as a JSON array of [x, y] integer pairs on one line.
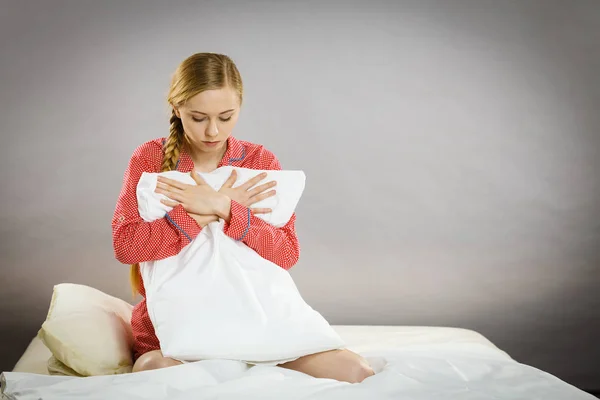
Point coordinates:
[[213, 148], [199, 144]]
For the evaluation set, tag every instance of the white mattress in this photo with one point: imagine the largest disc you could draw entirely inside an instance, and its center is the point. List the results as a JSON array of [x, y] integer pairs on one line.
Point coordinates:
[[416, 363]]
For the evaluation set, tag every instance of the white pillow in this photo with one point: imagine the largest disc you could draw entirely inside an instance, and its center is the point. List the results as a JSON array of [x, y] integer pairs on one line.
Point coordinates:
[[88, 331], [290, 185], [219, 299]]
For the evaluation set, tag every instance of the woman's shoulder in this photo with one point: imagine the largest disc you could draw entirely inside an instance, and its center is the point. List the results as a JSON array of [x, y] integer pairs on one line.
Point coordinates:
[[149, 153], [257, 155], [150, 147]]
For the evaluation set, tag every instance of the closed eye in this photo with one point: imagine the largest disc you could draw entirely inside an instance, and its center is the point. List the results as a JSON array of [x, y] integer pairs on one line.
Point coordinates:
[[204, 119]]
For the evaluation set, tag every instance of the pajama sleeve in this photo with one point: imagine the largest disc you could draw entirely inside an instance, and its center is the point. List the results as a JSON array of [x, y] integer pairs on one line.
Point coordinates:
[[278, 245], [135, 240]]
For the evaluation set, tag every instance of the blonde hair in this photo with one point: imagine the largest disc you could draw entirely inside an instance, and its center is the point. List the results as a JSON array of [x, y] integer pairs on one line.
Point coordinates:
[[197, 73]]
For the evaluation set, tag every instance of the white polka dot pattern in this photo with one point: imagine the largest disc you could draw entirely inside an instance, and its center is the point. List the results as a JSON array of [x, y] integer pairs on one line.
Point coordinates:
[[135, 240]]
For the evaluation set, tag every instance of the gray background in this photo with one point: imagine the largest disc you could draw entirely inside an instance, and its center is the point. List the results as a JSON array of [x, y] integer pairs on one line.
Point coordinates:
[[451, 148]]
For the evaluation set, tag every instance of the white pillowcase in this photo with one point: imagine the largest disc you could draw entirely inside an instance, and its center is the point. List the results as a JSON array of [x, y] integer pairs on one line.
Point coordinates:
[[219, 299], [88, 331], [290, 185]]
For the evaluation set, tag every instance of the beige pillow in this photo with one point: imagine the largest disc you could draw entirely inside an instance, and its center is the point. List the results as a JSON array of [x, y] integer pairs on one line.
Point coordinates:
[[55, 367], [88, 331]]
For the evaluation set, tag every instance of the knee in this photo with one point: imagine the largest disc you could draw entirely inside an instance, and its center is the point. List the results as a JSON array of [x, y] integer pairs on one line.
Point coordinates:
[[358, 371], [153, 360]]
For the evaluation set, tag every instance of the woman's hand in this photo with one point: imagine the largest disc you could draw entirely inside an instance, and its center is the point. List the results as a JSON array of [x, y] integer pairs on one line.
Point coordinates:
[[204, 220], [246, 196], [199, 199]]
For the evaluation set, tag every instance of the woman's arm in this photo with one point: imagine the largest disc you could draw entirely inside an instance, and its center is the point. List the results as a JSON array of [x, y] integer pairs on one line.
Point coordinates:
[[135, 240], [278, 245]]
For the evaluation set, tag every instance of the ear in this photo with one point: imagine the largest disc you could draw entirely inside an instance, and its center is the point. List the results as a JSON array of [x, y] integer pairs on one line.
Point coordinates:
[[177, 113]]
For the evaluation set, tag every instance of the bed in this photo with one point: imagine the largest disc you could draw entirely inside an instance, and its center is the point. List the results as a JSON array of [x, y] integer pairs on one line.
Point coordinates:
[[411, 363], [359, 339]]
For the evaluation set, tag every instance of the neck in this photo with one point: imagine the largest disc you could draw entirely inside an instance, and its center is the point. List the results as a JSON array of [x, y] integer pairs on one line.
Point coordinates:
[[200, 157]]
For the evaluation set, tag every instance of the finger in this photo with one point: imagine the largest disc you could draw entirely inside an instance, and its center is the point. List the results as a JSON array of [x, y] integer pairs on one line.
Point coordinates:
[[262, 188], [231, 180], [171, 182], [262, 196], [167, 190], [169, 203], [197, 178], [261, 210], [254, 181], [171, 195]]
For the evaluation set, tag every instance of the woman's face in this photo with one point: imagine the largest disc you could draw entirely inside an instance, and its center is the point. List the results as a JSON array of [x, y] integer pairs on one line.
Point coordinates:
[[209, 117]]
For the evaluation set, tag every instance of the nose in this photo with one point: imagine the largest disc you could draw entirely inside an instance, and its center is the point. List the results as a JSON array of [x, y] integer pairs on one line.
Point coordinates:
[[212, 130]]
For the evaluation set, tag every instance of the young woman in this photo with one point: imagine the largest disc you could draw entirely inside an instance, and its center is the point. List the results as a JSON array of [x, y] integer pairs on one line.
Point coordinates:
[[205, 96]]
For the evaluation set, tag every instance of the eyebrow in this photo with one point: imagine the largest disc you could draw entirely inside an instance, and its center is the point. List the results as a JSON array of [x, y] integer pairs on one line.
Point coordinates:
[[224, 112]]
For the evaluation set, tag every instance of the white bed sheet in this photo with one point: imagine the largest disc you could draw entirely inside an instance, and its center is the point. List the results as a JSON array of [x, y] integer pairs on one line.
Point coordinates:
[[359, 338], [417, 363]]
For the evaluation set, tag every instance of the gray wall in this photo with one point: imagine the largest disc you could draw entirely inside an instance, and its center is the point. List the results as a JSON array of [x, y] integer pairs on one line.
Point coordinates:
[[451, 149]]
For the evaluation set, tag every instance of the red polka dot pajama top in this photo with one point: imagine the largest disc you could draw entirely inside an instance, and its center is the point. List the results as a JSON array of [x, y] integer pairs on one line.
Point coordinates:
[[136, 241]]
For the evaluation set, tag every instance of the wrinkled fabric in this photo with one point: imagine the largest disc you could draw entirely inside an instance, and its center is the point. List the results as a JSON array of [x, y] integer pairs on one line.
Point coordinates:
[[422, 372]]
